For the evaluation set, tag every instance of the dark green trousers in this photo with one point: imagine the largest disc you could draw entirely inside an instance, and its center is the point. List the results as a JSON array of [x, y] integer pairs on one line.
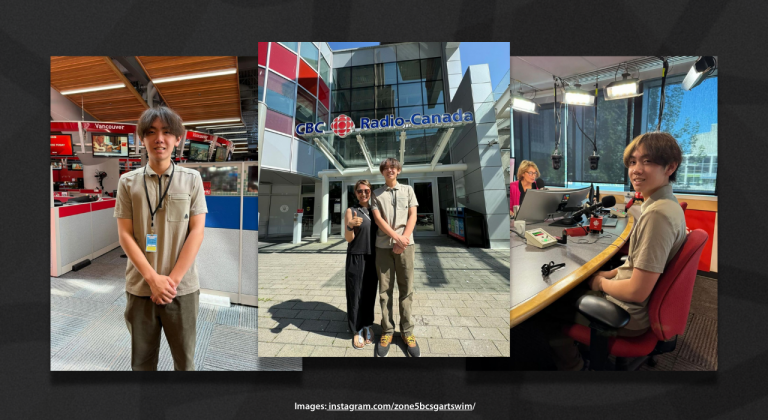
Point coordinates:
[[178, 319]]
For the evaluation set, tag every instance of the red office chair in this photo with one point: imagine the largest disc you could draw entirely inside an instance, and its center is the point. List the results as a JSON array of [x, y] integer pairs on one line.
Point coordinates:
[[668, 311]]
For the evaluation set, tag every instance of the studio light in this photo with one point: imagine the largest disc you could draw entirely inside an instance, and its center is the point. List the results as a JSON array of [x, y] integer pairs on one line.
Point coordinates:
[[622, 89], [576, 96], [519, 103], [93, 89], [230, 132], [703, 67]]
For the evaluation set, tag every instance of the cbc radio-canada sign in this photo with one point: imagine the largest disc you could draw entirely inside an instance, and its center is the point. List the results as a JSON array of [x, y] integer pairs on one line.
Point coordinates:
[[343, 125]]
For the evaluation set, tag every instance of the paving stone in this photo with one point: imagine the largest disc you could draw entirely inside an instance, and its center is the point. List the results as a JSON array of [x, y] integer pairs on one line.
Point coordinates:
[[456, 332], [480, 348], [481, 333], [295, 350], [463, 321], [290, 337], [447, 346]]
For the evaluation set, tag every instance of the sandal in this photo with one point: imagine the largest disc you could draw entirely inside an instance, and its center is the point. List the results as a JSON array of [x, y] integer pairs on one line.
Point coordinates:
[[355, 341], [368, 335]]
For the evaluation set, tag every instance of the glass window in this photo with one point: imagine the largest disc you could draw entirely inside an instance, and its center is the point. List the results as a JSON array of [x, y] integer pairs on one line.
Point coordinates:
[[283, 61], [691, 117], [293, 46], [342, 78], [611, 140], [341, 100], [386, 96], [408, 71], [535, 137], [252, 181], [409, 94], [356, 115], [305, 107], [386, 74], [407, 111], [279, 95], [362, 76], [322, 115], [262, 72], [383, 112], [310, 54], [433, 92], [431, 69], [279, 122], [224, 180], [325, 71], [434, 109], [362, 99]]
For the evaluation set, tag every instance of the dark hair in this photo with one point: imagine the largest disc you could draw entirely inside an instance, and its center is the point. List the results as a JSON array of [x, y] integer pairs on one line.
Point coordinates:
[[390, 162], [662, 149], [166, 115]]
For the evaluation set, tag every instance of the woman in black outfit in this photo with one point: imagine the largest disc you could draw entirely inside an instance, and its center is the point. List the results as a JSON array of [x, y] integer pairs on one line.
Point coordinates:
[[361, 277]]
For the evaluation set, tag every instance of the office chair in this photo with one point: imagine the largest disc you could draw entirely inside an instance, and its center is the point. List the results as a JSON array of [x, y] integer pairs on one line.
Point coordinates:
[[668, 310]]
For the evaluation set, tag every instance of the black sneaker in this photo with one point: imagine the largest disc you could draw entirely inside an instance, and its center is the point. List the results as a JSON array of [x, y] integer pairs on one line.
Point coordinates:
[[383, 348], [412, 346]]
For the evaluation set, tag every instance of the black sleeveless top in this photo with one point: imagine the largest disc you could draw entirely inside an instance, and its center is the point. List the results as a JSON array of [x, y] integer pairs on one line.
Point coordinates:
[[365, 234]]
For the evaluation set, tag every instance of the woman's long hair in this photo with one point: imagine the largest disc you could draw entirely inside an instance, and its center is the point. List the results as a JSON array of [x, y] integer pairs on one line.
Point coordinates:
[[365, 182]]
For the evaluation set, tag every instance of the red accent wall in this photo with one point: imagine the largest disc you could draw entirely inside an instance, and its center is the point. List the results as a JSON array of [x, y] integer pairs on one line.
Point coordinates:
[[705, 220]]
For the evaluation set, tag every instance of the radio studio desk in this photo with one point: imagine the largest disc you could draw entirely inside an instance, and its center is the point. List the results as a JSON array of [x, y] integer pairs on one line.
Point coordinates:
[[532, 292]]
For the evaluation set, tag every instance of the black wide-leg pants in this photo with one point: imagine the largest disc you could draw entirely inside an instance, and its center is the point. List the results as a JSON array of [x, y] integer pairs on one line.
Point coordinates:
[[362, 288]]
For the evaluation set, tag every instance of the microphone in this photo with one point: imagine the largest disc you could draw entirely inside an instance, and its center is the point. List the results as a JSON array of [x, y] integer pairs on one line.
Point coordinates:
[[597, 194], [539, 184], [608, 201], [557, 158], [637, 198]]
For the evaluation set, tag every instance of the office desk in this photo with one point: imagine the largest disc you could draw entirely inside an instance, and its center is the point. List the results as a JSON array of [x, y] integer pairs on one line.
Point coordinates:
[[532, 292]]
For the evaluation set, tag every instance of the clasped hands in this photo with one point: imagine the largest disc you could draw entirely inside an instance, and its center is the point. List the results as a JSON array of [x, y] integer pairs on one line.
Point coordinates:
[[163, 289], [401, 242]]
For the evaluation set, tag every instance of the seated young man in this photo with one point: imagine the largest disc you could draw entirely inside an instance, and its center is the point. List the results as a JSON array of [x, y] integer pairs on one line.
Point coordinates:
[[652, 160]]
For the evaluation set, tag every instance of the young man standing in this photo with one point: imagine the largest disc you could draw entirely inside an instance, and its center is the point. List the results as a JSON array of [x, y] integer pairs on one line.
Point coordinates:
[[652, 160], [394, 210], [160, 215]]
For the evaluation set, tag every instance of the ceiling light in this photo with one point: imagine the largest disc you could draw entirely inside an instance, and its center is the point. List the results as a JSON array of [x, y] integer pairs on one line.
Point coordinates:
[[221, 126], [240, 151], [519, 103], [622, 89], [194, 76], [242, 138], [703, 67], [93, 89], [221, 120], [231, 132], [576, 96]]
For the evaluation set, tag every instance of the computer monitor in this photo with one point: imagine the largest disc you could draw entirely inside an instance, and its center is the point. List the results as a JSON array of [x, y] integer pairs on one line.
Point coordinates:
[[538, 205]]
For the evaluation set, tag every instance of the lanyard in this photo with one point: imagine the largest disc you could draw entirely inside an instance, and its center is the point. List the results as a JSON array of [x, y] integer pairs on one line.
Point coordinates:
[[159, 203]]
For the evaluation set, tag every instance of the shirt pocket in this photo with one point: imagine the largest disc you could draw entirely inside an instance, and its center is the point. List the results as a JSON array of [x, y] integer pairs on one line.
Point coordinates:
[[402, 203], [178, 207]]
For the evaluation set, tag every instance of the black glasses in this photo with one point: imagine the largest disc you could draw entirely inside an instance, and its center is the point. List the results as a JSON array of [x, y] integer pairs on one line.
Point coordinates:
[[361, 191]]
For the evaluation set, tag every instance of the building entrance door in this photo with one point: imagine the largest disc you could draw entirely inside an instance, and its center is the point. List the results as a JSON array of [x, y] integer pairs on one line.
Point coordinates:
[[427, 214]]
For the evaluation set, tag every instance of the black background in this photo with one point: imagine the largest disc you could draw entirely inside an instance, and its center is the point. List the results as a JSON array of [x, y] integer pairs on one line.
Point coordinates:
[[32, 31]]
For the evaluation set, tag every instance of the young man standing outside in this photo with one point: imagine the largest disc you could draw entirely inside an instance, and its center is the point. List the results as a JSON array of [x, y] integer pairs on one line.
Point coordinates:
[[160, 213], [394, 211]]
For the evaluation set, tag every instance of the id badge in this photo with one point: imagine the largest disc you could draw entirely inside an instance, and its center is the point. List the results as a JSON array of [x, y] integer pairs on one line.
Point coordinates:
[[151, 243]]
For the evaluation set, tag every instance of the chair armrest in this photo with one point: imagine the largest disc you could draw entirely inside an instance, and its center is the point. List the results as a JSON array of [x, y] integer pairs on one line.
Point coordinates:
[[602, 311]]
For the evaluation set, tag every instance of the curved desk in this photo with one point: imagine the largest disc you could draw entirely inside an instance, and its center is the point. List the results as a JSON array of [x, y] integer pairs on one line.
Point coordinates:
[[531, 292]]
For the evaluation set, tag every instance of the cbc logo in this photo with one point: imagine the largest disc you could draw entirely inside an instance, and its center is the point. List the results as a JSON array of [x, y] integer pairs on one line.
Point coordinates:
[[342, 125]]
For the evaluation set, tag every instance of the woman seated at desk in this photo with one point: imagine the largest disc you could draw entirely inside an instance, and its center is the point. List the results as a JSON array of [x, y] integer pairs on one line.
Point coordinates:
[[527, 174]]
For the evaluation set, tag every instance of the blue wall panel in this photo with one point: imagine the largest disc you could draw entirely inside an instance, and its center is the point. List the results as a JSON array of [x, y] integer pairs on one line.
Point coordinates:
[[251, 213], [223, 212]]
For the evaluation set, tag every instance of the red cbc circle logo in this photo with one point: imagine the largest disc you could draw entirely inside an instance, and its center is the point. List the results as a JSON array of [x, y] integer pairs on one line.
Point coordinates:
[[342, 125]]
